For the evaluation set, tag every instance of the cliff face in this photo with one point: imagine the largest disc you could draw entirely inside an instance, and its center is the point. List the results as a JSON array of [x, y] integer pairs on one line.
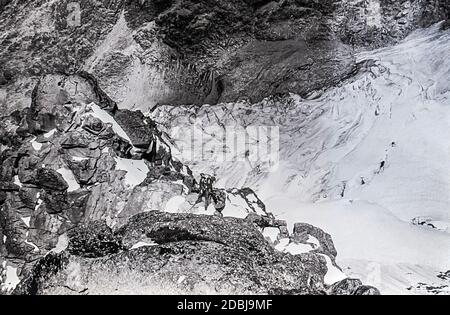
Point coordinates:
[[194, 52]]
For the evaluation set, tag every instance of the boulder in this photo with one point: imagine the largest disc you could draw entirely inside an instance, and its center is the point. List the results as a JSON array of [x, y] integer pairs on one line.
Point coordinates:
[[301, 232], [138, 127], [367, 290], [48, 179], [345, 287], [164, 227]]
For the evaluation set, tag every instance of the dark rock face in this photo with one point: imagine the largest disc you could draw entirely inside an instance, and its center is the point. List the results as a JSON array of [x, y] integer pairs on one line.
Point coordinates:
[[302, 230], [94, 240], [345, 287], [39, 201], [196, 52], [366, 290], [381, 22], [47, 179], [42, 271], [263, 68], [3, 3], [352, 287], [138, 127]]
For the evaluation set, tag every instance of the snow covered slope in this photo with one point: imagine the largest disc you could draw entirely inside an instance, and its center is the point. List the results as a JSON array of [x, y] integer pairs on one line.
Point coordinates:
[[361, 160]]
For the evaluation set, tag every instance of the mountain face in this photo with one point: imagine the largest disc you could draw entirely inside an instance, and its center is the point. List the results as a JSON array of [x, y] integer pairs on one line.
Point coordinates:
[[101, 103], [146, 53]]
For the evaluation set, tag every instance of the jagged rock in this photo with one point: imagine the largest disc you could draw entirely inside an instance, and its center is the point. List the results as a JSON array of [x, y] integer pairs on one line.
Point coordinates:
[[352, 287], [345, 287], [14, 229], [254, 204], [49, 265], [93, 125], [259, 220], [55, 201], [47, 228], [138, 127], [301, 232], [93, 240], [76, 205], [445, 25], [147, 198], [159, 172], [75, 139], [47, 179], [284, 232], [89, 171], [366, 290]]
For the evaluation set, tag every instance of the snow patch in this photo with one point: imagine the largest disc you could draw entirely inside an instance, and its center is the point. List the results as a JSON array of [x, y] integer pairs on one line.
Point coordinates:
[[61, 245], [69, 178], [36, 145], [236, 206], [38, 203], [136, 170], [142, 244], [271, 233], [17, 181], [11, 278], [78, 159], [174, 204], [50, 133], [314, 241], [26, 220], [333, 274]]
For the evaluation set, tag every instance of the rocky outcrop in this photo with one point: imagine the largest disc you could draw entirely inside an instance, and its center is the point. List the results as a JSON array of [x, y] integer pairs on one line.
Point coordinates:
[[65, 161], [352, 287], [174, 253], [302, 231]]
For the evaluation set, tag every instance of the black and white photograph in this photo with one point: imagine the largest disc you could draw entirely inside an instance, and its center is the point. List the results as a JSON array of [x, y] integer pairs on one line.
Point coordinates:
[[238, 149]]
